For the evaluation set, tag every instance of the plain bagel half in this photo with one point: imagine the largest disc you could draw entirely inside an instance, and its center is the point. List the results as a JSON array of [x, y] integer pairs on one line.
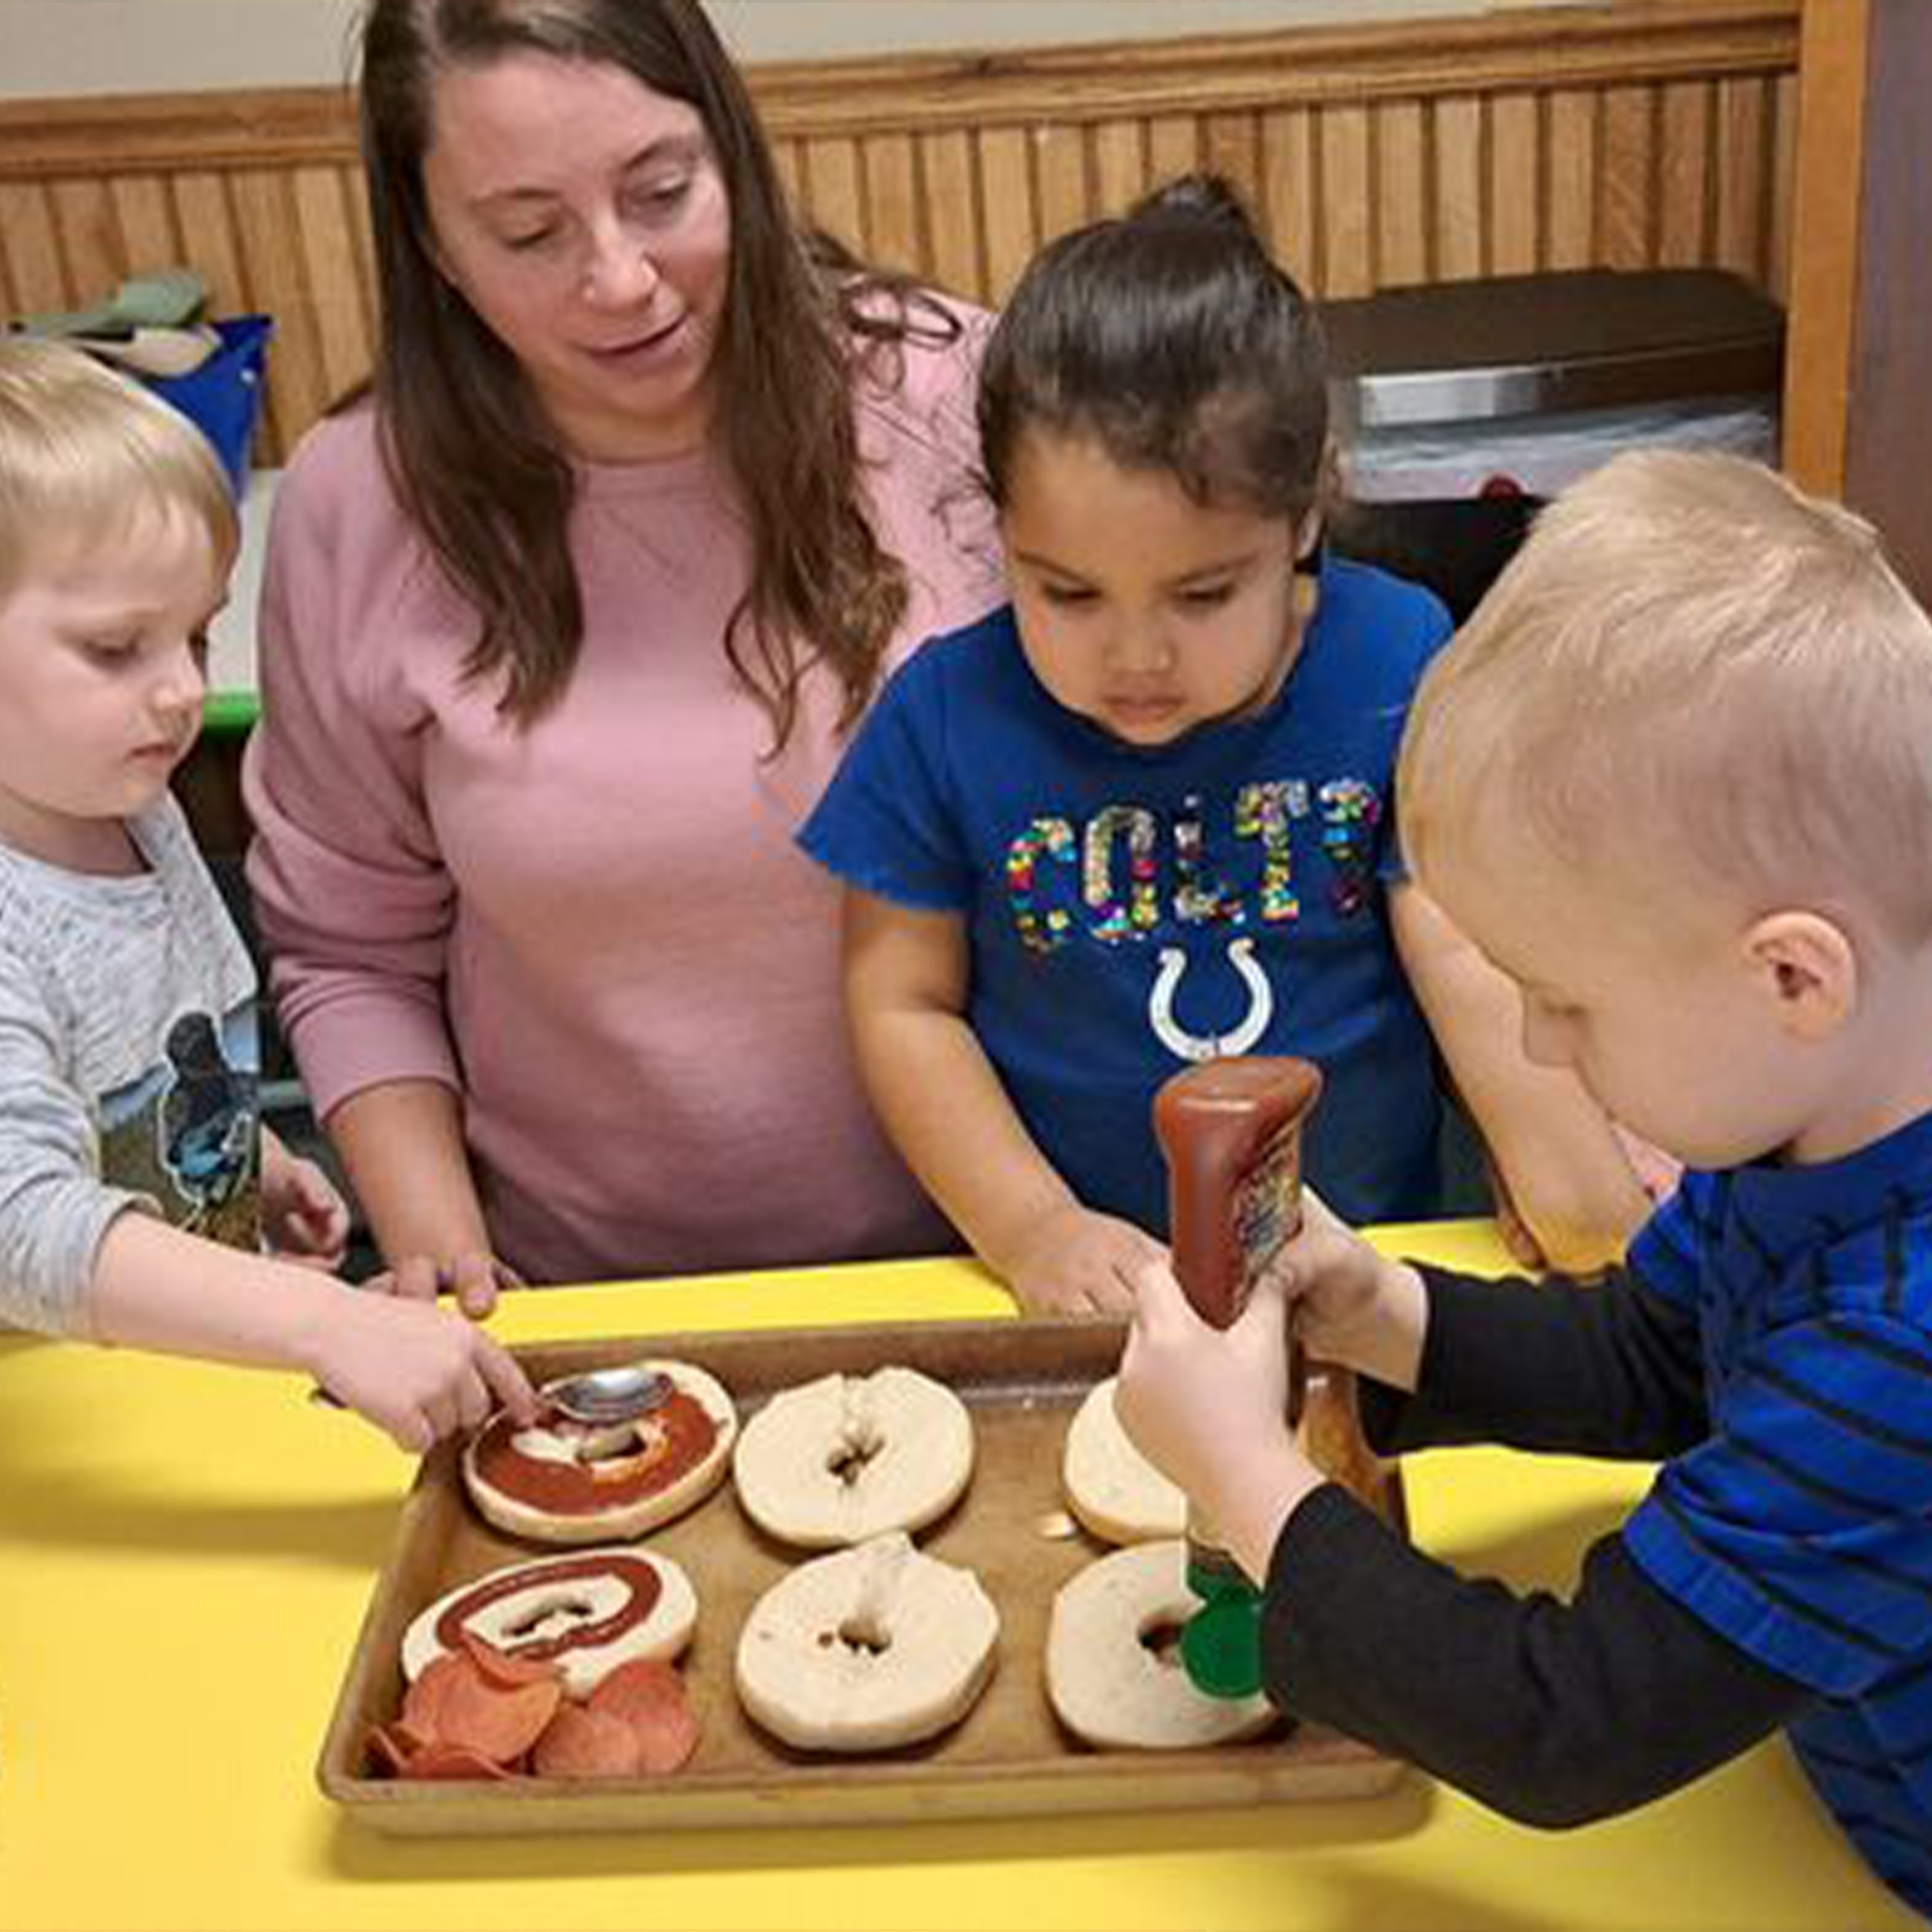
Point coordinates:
[[1110, 1676], [562, 1481], [1112, 1488], [867, 1649], [846, 1457]]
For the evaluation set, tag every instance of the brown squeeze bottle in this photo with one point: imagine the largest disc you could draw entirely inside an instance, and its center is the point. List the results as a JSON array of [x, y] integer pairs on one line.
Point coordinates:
[[1231, 1130]]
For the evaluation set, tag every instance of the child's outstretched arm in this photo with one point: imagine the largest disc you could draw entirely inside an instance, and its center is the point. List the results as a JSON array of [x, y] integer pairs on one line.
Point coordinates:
[[944, 1106], [1565, 1170], [1554, 1713], [416, 1370]]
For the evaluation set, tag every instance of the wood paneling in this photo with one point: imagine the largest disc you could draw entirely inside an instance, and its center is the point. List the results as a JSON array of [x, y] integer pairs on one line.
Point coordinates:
[[1829, 181], [1628, 135], [1857, 404]]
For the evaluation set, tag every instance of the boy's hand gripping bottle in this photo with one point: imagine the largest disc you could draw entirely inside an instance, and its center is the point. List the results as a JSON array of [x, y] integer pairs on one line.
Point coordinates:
[[1231, 1130]]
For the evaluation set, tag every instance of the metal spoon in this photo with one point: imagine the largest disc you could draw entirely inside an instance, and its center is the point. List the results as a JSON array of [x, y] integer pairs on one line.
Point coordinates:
[[609, 1395]]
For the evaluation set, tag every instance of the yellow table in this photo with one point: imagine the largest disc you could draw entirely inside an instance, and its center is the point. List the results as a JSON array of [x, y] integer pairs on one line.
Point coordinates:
[[186, 1553]]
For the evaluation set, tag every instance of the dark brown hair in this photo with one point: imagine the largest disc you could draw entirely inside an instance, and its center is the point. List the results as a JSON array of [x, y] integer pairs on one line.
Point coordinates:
[[1172, 339], [475, 461]]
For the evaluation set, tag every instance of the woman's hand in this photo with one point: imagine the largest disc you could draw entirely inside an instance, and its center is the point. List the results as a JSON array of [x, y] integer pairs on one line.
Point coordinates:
[[402, 1143], [1075, 1261], [416, 1370], [474, 1276]]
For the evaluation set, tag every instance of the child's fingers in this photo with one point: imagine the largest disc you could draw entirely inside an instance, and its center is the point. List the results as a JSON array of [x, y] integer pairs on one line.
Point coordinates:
[[413, 1433], [465, 1404], [318, 1237], [1160, 1305], [505, 1377], [1112, 1291], [332, 1227], [313, 1197], [1265, 1314], [316, 1259], [476, 1401]]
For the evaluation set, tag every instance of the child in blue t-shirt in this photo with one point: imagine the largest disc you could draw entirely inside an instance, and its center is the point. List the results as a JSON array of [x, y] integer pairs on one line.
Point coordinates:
[[1718, 901], [1143, 815]]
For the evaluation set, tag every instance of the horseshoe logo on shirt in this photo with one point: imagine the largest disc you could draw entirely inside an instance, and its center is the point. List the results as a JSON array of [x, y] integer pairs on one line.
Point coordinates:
[[1185, 1045]]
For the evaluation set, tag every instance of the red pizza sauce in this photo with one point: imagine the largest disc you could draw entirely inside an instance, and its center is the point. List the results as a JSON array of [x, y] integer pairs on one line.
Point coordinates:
[[670, 1441], [637, 1574]]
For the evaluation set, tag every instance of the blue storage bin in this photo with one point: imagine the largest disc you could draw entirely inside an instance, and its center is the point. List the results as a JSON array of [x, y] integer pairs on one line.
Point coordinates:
[[223, 397]]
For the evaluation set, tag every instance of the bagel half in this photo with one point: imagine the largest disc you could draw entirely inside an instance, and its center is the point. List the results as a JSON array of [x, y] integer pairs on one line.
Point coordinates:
[[1114, 1491], [587, 1613], [1105, 1679], [566, 1482], [837, 1461], [868, 1649]]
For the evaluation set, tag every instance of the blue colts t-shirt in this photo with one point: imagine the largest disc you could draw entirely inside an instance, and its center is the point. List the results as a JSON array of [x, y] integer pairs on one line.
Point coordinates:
[[1131, 910]]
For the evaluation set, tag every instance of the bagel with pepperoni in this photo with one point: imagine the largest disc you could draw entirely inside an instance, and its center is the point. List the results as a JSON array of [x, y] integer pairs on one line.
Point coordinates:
[[586, 1613]]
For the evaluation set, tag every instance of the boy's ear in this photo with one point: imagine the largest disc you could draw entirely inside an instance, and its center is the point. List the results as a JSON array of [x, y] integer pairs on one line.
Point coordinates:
[[1808, 968]]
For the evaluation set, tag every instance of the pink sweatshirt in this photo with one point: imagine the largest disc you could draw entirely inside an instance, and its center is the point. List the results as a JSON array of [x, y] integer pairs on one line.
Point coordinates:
[[598, 930]]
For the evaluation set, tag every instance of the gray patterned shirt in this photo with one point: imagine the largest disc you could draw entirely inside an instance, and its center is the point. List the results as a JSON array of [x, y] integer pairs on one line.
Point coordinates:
[[128, 1065]]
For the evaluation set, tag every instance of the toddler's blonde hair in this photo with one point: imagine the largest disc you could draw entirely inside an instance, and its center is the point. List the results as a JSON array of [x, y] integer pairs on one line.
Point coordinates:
[[86, 453], [1691, 663]]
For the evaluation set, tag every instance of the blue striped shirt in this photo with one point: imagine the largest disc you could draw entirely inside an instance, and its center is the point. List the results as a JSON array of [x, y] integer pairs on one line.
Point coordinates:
[[1802, 1528]]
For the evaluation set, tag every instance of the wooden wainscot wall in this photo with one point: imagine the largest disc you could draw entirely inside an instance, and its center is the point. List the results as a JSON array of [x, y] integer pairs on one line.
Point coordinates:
[[1634, 135]]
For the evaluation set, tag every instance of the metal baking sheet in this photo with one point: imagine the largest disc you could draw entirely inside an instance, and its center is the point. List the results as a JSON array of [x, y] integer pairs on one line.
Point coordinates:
[[1023, 1382]]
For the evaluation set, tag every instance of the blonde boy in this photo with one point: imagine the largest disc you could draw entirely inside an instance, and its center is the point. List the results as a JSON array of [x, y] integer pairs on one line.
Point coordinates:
[[135, 1182], [1675, 778]]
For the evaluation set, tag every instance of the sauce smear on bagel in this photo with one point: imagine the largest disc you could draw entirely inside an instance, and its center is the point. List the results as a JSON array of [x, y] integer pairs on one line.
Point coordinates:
[[592, 1468]]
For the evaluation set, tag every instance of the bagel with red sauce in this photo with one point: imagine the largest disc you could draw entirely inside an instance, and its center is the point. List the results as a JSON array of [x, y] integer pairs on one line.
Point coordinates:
[[557, 1480], [587, 1613]]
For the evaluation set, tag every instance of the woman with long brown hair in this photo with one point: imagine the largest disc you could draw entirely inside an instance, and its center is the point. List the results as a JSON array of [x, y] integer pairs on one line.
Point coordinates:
[[564, 621]]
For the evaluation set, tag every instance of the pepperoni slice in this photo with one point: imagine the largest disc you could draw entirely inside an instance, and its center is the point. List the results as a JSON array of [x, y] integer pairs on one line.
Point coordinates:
[[445, 1760], [649, 1695], [481, 1712], [504, 1668], [498, 1724], [392, 1746], [582, 1743], [424, 1702], [455, 1702]]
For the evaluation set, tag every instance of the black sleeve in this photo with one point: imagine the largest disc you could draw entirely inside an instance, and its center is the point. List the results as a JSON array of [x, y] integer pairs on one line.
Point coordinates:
[[1554, 1713], [1605, 1368]]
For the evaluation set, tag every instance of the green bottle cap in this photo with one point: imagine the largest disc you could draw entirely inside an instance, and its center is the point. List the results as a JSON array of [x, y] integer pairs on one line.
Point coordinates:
[[1221, 1642]]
